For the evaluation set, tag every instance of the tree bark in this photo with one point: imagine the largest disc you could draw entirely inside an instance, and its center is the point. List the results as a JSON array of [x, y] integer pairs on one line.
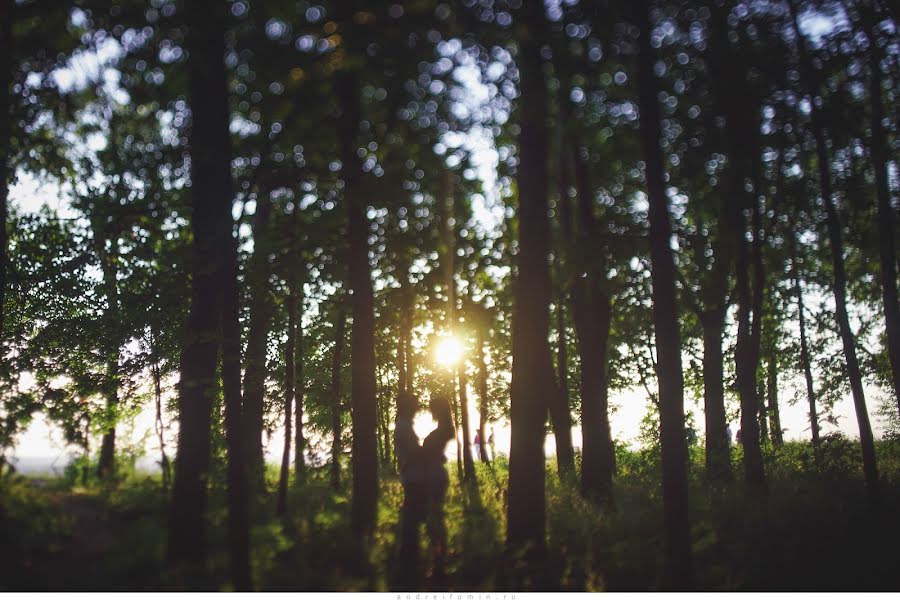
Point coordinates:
[[364, 445], [718, 459], [213, 320], [260, 319], [774, 413], [742, 141], [468, 463], [482, 394], [336, 404], [665, 320], [835, 237], [532, 364]]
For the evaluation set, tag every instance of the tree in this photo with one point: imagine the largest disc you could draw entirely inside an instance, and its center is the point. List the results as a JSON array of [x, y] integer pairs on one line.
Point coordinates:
[[665, 321]]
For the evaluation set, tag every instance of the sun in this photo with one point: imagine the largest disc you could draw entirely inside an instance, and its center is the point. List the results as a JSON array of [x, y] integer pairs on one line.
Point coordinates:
[[449, 351]]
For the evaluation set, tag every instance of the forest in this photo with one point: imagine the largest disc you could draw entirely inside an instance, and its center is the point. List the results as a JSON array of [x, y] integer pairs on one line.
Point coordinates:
[[246, 246]]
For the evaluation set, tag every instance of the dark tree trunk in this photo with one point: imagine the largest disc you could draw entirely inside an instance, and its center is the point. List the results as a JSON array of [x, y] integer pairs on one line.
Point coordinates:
[[774, 413], [290, 367], [886, 214], [260, 318], [198, 385], [468, 463], [106, 464], [593, 321], [230, 330], [718, 460], [482, 394], [532, 381], [336, 404], [665, 320], [592, 313], [364, 446], [299, 390], [213, 321], [835, 238], [6, 73], [742, 141]]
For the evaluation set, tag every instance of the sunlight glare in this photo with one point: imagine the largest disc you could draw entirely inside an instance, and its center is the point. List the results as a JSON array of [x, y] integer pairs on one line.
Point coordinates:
[[449, 351]]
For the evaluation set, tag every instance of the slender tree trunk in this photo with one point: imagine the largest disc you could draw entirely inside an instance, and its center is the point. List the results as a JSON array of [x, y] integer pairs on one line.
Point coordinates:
[[665, 320], [482, 394], [260, 319], [159, 425], [468, 463], [835, 237], [336, 404], [532, 366], [774, 413], [106, 464], [718, 460], [290, 367], [364, 445], [7, 8]]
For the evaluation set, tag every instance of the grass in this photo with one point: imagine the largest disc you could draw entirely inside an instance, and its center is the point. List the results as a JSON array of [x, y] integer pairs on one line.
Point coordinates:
[[816, 529]]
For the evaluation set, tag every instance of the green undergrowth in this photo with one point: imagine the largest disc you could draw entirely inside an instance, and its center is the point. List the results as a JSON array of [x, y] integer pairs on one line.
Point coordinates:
[[815, 528]]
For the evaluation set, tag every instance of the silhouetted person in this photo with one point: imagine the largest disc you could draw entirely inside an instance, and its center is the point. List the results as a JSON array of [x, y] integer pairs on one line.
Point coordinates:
[[424, 479], [477, 443]]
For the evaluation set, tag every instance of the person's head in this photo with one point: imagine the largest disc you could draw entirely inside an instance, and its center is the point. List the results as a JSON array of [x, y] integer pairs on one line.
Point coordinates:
[[407, 405], [440, 408]]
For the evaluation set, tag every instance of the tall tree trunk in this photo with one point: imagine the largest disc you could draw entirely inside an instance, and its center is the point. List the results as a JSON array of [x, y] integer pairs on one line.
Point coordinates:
[[468, 463], [593, 321], [742, 141], [532, 368], [886, 214], [255, 360], [7, 7], [336, 404], [718, 460], [591, 310], [290, 368], [482, 394], [774, 413], [213, 320], [665, 321], [364, 445], [299, 389], [835, 237]]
